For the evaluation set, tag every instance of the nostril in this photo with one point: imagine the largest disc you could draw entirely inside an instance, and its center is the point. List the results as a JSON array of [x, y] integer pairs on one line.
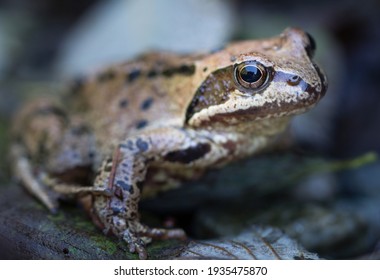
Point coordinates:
[[310, 48]]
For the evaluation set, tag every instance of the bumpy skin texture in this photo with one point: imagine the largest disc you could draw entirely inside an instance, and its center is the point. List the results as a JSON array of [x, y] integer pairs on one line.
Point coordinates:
[[147, 124]]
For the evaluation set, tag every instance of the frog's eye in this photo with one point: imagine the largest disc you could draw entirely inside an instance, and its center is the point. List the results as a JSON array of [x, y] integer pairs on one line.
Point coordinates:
[[251, 75]]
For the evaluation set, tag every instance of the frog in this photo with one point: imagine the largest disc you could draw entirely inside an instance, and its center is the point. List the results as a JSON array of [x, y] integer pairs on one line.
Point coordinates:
[[134, 129]]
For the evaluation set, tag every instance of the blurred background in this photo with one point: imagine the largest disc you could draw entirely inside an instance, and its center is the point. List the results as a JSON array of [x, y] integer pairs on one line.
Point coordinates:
[[44, 43]]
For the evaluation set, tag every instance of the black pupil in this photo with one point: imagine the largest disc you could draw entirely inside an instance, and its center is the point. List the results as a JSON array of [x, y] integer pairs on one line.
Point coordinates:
[[250, 74]]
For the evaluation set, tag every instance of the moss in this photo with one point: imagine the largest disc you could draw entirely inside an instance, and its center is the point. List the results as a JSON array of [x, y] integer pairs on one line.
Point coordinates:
[[105, 243], [164, 249], [82, 223], [57, 218]]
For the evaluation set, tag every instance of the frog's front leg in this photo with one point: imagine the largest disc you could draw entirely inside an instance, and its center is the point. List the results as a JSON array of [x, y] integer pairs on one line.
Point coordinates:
[[125, 174]]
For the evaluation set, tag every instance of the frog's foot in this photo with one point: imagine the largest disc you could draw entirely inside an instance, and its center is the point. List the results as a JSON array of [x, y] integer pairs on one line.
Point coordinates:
[[138, 235], [24, 173]]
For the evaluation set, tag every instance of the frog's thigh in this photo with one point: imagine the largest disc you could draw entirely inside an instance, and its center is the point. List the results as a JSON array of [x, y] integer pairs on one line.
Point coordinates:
[[40, 126], [46, 133]]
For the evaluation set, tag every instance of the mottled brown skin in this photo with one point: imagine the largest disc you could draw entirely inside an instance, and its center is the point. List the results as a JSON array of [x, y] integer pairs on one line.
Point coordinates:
[[169, 116]]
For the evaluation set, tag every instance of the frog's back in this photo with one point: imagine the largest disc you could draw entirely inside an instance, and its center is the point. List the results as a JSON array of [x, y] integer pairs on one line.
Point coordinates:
[[125, 99]]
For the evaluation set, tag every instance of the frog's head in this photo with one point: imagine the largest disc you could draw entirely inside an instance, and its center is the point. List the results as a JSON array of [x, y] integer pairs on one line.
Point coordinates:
[[256, 80]]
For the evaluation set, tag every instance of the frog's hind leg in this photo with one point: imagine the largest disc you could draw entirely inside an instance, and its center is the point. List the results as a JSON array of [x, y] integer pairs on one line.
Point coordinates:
[[24, 172], [36, 130], [47, 145]]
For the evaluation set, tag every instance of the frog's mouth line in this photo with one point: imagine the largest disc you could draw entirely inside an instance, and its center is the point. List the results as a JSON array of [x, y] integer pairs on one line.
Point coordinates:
[[265, 112]]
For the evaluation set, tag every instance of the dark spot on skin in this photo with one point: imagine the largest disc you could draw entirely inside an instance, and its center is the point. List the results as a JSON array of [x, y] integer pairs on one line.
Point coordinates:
[[205, 69], [51, 110], [133, 215], [108, 168], [127, 146], [230, 146], [119, 194], [168, 72], [188, 155], [132, 190], [142, 145], [133, 75], [79, 130], [126, 187], [186, 70], [123, 103], [147, 103], [152, 74], [117, 210], [106, 76], [141, 124]]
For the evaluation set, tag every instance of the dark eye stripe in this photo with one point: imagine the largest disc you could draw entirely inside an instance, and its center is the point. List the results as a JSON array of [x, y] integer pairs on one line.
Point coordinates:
[[214, 90]]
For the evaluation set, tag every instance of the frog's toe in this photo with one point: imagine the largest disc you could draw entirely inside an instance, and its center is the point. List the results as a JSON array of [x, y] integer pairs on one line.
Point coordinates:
[[136, 244], [142, 235], [164, 234]]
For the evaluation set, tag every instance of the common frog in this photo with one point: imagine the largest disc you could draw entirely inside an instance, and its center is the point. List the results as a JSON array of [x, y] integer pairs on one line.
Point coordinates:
[[145, 125]]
